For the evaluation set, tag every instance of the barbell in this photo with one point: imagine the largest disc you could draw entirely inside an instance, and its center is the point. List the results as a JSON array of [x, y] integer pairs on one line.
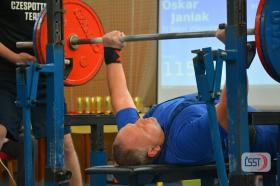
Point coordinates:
[[83, 39]]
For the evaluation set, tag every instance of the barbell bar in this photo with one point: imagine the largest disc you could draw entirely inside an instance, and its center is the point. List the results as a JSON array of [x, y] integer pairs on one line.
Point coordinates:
[[75, 41], [85, 61]]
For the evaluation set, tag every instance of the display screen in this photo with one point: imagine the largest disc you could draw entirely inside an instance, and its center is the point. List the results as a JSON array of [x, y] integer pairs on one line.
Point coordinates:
[[175, 70]]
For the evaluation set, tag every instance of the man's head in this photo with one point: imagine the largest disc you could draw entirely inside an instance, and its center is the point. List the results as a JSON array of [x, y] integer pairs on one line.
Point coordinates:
[[138, 143]]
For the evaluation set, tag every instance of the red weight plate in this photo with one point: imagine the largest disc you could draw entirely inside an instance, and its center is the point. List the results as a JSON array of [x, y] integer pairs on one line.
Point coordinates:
[[270, 29], [79, 20], [37, 37], [259, 44], [257, 34]]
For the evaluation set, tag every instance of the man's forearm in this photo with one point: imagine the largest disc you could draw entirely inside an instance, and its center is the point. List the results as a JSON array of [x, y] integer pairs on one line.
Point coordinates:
[[119, 93], [7, 53]]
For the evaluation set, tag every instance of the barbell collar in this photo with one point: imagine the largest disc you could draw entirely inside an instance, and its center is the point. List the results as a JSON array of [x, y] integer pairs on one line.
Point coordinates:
[[24, 44]]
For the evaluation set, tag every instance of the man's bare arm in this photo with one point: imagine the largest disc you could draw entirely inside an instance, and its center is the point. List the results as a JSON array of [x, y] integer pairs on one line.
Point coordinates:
[[119, 93], [15, 57]]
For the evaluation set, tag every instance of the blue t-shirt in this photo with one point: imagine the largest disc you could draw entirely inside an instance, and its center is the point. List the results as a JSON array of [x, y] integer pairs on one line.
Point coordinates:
[[189, 138]]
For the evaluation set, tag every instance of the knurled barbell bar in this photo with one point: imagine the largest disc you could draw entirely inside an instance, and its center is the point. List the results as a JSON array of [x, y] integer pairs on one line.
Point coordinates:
[[75, 41]]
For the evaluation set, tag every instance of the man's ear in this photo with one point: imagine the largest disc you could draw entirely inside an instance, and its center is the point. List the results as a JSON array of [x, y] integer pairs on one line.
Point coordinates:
[[154, 151]]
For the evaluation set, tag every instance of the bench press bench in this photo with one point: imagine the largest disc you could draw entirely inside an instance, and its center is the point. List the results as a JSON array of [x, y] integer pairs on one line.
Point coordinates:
[[147, 174]]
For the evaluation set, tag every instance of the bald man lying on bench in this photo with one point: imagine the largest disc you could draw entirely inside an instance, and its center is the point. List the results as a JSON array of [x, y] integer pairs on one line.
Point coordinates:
[[173, 132]]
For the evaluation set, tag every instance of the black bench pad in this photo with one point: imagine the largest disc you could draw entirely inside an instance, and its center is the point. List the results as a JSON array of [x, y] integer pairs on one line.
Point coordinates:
[[146, 174]]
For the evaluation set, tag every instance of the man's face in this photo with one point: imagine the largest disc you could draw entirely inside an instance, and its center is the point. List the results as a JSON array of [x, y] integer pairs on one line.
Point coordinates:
[[143, 134]]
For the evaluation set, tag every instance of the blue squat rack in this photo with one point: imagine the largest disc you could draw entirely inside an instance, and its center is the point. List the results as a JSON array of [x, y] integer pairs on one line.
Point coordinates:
[[27, 82]]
